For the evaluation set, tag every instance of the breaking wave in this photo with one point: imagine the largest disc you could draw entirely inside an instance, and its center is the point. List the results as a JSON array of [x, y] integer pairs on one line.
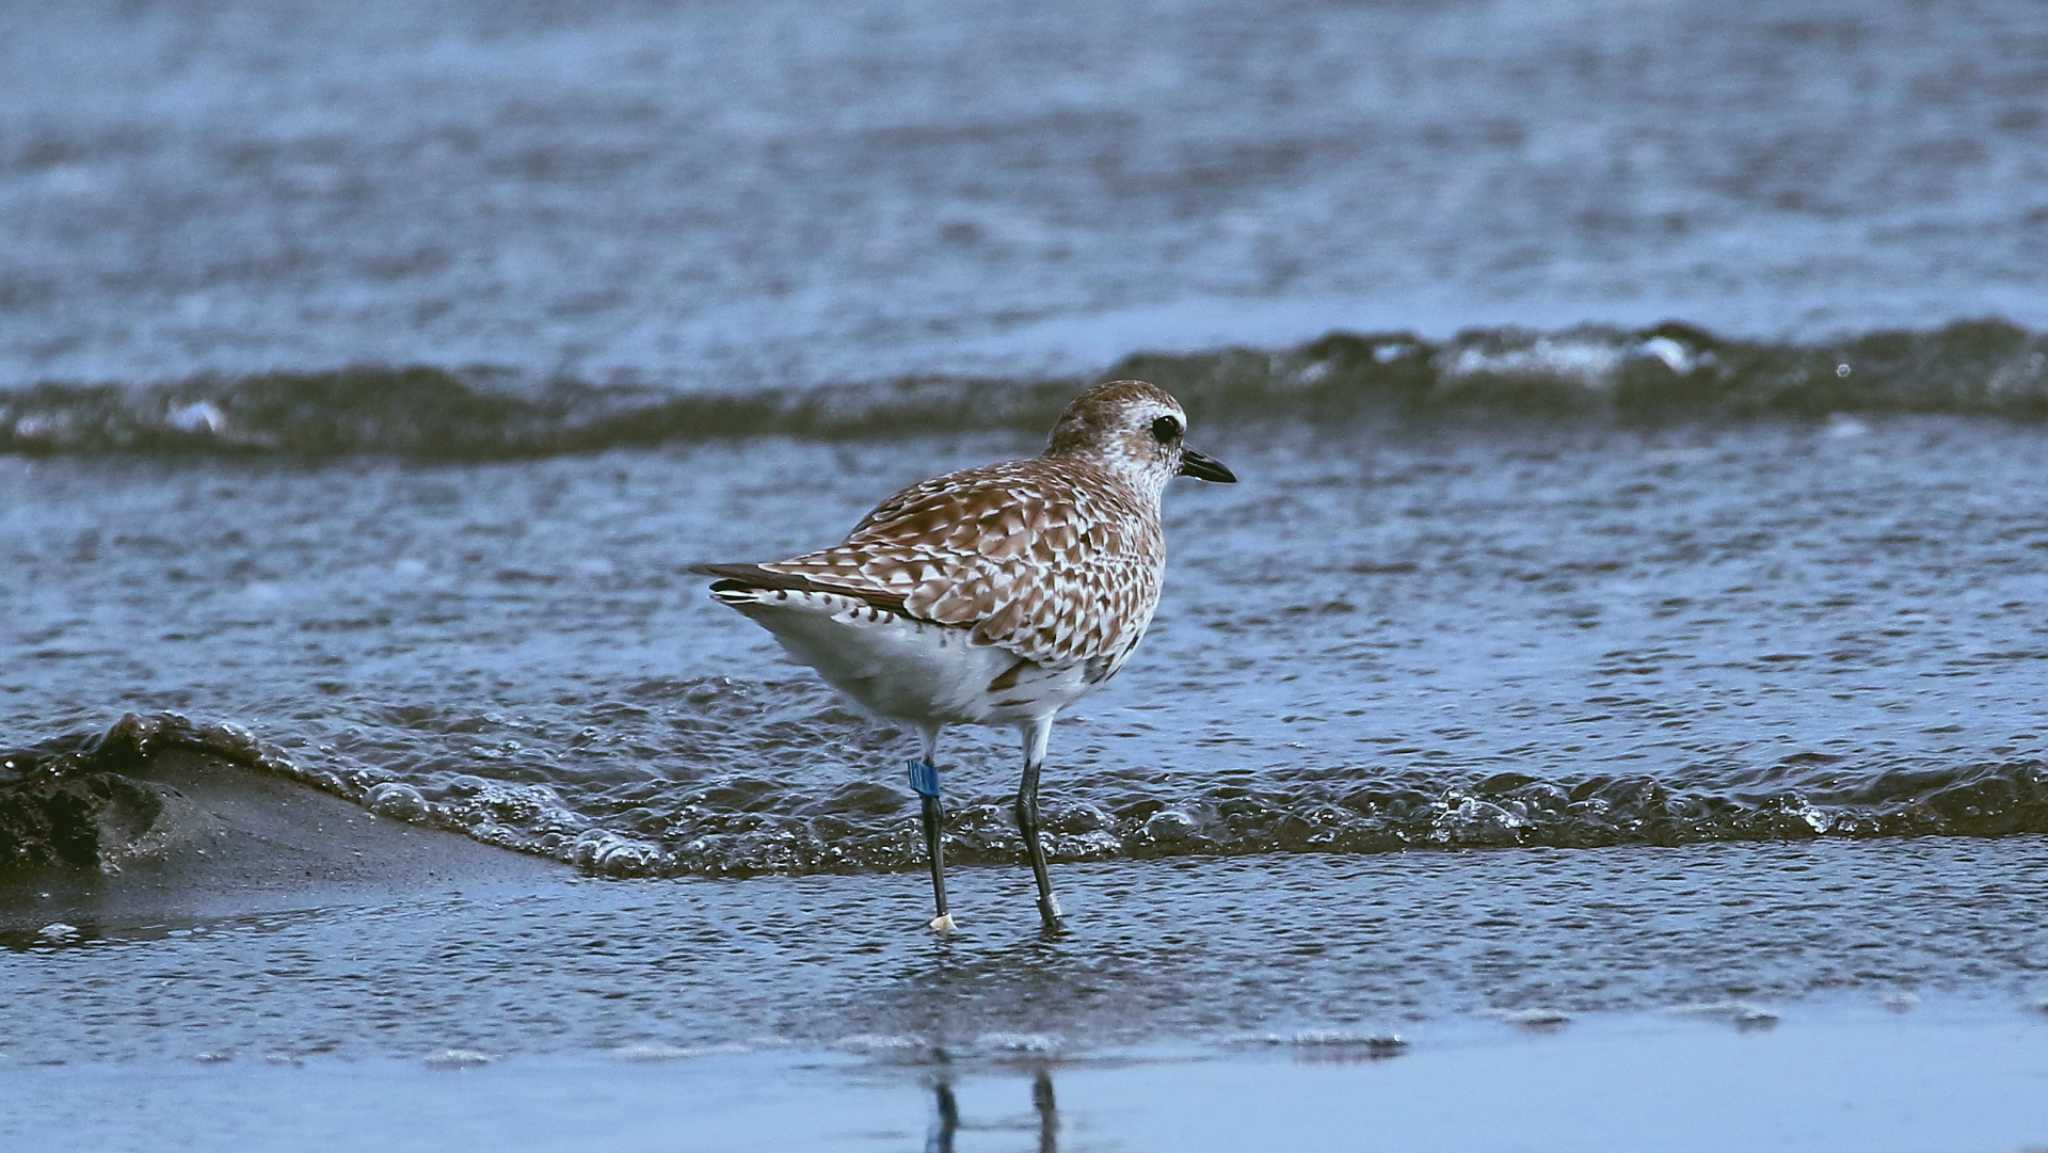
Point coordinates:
[[58, 796], [1670, 371]]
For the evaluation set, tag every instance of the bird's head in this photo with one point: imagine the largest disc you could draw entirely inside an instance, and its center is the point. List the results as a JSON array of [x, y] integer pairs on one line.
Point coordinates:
[[1136, 430]]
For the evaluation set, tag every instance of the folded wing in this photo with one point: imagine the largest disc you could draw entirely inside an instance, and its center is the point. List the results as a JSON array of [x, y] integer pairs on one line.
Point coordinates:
[[1039, 558]]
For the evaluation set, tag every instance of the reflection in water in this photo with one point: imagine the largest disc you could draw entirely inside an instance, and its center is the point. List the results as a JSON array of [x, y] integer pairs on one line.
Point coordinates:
[[1048, 1113], [947, 1122]]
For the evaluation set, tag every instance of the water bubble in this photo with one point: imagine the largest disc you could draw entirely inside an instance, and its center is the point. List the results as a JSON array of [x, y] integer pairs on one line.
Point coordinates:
[[397, 800], [1842, 370], [1169, 825], [616, 855], [1473, 821]]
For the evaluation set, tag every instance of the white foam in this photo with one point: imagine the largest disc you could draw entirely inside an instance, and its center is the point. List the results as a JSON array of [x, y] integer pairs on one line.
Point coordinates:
[[458, 1059], [1029, 1044], [1378, 1043], [1537, 1018], [1587, 361], [1676, 357], [612, 852], [199, 416], [881, 1043], [1741, 1014]]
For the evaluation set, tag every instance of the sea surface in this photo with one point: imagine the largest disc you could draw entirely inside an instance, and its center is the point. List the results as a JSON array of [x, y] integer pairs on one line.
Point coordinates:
[[726, 195], [1639, 407]]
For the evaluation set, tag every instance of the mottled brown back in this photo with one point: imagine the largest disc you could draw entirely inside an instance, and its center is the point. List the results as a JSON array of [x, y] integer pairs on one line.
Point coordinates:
[[1054, 559]]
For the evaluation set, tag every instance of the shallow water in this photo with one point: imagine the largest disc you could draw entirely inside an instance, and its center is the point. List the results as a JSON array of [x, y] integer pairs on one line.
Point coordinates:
[[1392, 634], [1949, 1077], [1320, 954]]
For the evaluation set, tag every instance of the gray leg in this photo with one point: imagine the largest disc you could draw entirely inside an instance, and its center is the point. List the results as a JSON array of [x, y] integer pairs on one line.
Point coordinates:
[[1035, 736], [934, 816], [926, 782]]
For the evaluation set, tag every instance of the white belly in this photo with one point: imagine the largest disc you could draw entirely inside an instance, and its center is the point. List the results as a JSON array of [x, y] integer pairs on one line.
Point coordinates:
[[908, 670]]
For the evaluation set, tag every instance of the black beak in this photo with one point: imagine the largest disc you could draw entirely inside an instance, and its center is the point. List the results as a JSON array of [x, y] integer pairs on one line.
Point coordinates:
[[1202, 467]]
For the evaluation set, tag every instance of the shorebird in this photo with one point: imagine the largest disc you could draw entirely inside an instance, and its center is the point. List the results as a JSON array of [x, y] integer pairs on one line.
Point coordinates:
[[996, 595]]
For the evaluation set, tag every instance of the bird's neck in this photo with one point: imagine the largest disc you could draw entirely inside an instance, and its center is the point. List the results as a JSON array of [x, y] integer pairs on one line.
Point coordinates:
[[1143, 486]]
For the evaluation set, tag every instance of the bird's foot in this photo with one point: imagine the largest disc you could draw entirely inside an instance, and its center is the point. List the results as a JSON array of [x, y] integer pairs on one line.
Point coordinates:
[[942, 924]]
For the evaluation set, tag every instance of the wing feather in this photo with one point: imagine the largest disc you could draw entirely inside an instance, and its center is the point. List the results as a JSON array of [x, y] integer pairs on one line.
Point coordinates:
[[1050, 559]]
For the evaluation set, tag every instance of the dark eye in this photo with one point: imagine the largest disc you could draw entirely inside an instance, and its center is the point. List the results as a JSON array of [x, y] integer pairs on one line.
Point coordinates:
[[1165, 430]]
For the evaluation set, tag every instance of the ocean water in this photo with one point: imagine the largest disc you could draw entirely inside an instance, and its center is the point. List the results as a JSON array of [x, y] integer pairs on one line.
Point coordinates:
[[728, 195], [1639, 409], [1387, 636]]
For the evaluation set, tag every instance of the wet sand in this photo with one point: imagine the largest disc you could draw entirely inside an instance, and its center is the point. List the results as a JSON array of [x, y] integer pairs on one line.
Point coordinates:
[[1880, 995], [184, 835]]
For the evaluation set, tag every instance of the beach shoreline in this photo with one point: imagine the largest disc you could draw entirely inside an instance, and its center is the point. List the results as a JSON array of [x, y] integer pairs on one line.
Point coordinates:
[[382, 986], [181, 834]]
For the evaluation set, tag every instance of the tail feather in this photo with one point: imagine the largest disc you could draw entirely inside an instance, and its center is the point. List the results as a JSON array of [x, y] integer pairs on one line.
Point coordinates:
[[737, 583]]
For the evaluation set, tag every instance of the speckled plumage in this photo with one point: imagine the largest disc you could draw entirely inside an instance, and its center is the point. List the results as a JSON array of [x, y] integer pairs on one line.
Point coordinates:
[[1055, 560], [999, 594]]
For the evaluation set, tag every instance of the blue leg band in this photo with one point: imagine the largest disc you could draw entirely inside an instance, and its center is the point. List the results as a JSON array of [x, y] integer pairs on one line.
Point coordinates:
[[924, 778]]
